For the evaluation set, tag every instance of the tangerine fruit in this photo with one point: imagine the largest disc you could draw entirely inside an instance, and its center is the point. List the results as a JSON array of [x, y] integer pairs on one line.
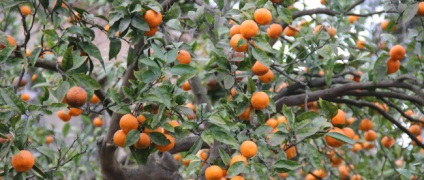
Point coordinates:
[[23, 161], [249, 29], [262, 16], [128, 122], [248, 149], [184, 57], [153, 18], [259, 100]]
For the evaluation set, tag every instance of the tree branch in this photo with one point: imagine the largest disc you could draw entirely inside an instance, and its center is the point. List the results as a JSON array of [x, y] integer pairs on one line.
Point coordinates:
[[382, 112]]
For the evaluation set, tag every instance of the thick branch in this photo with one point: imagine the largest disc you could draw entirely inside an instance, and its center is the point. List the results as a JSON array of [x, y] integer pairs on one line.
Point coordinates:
[[382, 112], [186, 144], [341, 90]]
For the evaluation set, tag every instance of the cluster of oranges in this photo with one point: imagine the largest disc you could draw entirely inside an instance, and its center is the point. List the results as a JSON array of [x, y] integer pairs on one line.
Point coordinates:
[[265, 75], [76, 97], [248, 149], [396, 53], [129, 122], [258, 101]]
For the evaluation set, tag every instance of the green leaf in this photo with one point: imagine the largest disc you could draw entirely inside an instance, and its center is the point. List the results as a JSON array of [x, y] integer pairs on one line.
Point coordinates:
[[229, 81], [65, 129], [114, 47], [183, 69], [285, 14], [159, 138], [86, 81], [404, 172], [132, 137], [251, 86], [328, 108], [175, 24], [409, 13], [286, 166], [207, 136], [257, 170], [92, 51], [171, 56], [224, 156], [139, 23], [46, 151], [224, 138], [235, 169], [340, 137], [306, 115], [379, 71], [261, 56], [38, 172], [277, 138], [288, 113], [196, 146], [11, 99], [124, 23], [68, 59], [50, 32], [34, 56], [173, 13]]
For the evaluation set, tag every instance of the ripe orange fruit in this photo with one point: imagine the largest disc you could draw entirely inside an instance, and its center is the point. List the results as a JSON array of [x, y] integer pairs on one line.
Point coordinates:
[[382, 106], [75, 111], [174, 123], [119, 138], [283, 175], [23, 81], [356, 177], [203, 155], [397, 52], [128, 122], [25, 97], [409, 112], [213, 173], [320, 173], [331, 31], [357, 78], [276, 1], [334, 142], [318, 28], [282, 119], [393, 65], [10, 40], [23, 161], [152, 31], [259, 100], [167, 147], [384, 24], [272, 122], [266, 78], [178, 157], [360, 44], [249, 29], [420, 10], [63, 116], [387, 142], [335, 160], [290, 31], [76, 97], [365, 125], [344, 171], [356, 147], [153, 18], [322, 2], [34, 77], [237, 178], [291, 152], [97, 122], [370, 135], [274, 31], [352, 19], [349, 132], [94, 99], [310, 177], [143, 142], [237, 159], [234, 30], [234, 41], [339, 119], [186, 162], [259, 69], [262, 16], [248, 149], [49, 139], [246, 114], [350, 121], [184, 57], [141, 118], [420, 139], [186, 86], [25, 10], [415, 130]]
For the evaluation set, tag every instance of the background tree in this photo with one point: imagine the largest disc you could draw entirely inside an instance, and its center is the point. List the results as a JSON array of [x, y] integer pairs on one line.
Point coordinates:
[[211, 89]]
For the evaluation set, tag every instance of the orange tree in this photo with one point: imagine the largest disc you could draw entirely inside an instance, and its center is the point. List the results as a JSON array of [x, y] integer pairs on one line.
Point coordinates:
[[211, 89]]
